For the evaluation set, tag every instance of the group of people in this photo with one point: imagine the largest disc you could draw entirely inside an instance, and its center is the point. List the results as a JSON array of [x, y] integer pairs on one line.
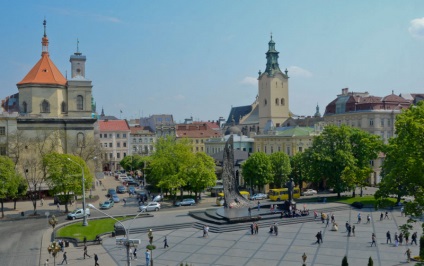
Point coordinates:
[[254, 228], [399, 238], [273, 229]]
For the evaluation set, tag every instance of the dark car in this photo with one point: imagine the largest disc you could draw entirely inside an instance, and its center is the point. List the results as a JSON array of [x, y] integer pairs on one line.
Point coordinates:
[[133, 183], [121, 189], [131, 190], [110, 192]]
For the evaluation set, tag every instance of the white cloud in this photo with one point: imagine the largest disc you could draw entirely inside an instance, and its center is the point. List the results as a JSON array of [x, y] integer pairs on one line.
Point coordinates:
[[295, 71], [250, 81], [179, 97], [417, 28]]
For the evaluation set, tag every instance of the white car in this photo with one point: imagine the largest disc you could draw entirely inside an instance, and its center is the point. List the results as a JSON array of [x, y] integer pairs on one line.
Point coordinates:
[[258, 196], [151, 206], [310, 192]]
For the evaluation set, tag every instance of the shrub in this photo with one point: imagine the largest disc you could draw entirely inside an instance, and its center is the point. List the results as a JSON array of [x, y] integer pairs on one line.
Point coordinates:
[[344, 261], [422, 246], [358, 204], [370, 262]]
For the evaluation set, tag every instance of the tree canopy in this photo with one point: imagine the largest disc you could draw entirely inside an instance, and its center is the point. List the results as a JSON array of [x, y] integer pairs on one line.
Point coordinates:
[[10, 181], [281, 168], [64, 175], [257, 170]]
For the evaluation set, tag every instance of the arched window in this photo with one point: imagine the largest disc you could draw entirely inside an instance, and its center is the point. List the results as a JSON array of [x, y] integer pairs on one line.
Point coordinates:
[[45, 107], [277, 102], [63, 107], [24, 107], [265, 102], [80, 139], [283, 102], [80, 102]]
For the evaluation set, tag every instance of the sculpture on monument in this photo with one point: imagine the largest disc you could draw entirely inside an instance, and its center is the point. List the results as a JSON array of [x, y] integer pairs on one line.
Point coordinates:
[[232, 196], [290, 186]]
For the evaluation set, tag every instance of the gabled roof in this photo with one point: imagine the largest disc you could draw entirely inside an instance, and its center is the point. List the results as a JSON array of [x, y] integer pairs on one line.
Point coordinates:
[[44, 72], [237, 112], [113, 125]]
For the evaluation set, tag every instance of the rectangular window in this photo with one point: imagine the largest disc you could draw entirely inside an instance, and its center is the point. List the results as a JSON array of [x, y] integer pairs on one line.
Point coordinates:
[[118, 155], [125, 144], [105, 145], [110, 145], [382, 122], [118, 136], [2, 131], [110, 156], [134, 140], [125, 154], [124, 135], [389, 122], [300, 149], [371, 122], [3, 150], [110, 136], [118, 144], [105, 136], [101, 135]]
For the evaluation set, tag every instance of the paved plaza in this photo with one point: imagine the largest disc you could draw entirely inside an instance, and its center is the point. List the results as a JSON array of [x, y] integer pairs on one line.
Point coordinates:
[[242, 248]]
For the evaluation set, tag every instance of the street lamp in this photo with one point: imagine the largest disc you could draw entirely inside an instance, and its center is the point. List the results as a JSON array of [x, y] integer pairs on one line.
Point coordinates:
[[127, 230], [84, 222]]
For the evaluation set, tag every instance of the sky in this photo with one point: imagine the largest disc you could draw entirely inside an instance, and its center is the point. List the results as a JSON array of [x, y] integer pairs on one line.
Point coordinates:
[[192, 58]]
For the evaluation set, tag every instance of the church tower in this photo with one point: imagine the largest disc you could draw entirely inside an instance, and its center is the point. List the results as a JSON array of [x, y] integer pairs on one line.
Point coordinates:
[[273, 92], [79, 87]]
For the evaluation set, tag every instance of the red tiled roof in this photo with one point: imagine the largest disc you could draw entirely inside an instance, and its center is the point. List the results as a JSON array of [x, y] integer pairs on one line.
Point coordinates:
[[140, 130], [212, 125], [113, 125], [44, 72], [201, 130]]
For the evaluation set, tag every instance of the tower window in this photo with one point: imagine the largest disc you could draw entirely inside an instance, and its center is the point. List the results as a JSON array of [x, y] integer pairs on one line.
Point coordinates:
[[80, 102], [63, 107], [265, 102], [277, 102], [24, 107], [283, 102], [45, 107]]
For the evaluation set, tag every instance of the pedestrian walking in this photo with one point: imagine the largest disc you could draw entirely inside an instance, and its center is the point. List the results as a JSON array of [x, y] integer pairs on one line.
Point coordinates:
[[320, 236], [46, 263], [96, 259], [58, 206], [408, 255], [259, 206], [65, 258], [349, 229], [359, 218], [150, 235], [396, 239], [131, 253], [353, 230], [373, 240], [400, 239], [406, 238], [165, 243], [42, 202], [252, 228], [328, 220], [256, 228], [381, 216], [402, 211], [333, 220], [135, 253], [125, 201], [317, 236], [347, 226], [249, 210], [207, 231], [414, 238], [386, 215], [368, 219], [85, 252], [147, 257], [322, 217], [388, 237], [315, 215], [276, 229]]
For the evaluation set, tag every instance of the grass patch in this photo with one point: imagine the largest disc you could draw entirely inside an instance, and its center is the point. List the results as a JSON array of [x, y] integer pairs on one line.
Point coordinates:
[[94, 228]]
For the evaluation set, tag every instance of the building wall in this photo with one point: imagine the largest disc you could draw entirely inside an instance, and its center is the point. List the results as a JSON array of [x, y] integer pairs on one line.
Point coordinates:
[[115, 145]]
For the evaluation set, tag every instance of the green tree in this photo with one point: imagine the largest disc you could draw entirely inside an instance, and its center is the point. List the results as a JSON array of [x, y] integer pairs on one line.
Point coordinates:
[[201, 174], [64, 175], [281, 168], [298, 172], [402, 168], [169, 165], [9, 180], [133, 162], [257, 170], [340, 157]]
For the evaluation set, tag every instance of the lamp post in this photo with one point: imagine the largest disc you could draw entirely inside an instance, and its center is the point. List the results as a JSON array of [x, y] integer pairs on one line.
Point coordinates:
[[127, 230], [85, 222]]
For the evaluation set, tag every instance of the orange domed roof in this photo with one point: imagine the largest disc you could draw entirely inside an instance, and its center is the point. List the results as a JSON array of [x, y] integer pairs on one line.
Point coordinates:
[[44, 72]]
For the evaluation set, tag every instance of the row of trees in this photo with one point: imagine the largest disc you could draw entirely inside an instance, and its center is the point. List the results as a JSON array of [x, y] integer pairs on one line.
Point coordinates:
[[339, 158], [174, 168]]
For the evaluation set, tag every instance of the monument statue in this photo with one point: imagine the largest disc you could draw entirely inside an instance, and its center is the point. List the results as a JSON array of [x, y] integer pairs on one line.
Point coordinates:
[[290, 186], [232, 196]]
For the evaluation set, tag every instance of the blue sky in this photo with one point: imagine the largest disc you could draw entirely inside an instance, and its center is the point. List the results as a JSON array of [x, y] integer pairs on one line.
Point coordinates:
[[200, 58]]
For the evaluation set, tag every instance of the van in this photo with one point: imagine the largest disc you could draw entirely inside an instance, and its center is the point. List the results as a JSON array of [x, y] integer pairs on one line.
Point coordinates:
[[78, 213]]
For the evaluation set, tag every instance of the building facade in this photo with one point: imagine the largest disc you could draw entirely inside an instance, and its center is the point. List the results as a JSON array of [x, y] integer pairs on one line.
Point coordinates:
[[197, 133], [142, 140], [115, 141]]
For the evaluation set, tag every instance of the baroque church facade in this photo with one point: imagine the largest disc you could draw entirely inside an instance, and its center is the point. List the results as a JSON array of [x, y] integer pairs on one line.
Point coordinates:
[[50, 107]]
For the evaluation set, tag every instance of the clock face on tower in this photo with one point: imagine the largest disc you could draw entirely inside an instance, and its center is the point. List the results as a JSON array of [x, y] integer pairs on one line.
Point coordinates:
[[78, 70]]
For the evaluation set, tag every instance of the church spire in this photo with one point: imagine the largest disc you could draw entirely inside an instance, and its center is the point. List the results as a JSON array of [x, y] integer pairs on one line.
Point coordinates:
[[45, 40], [272, 66]]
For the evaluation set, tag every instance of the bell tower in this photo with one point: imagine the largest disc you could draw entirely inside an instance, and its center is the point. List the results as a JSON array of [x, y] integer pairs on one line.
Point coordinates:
[[77, 63], [273, 91]]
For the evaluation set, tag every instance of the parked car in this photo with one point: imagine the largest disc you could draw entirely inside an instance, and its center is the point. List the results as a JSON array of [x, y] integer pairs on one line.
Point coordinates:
[[78, 213], [121, 189], [157, 198], [151, 206], [133, 183], [309, 192], [115, 198], [186, 202], [131, 190], [258, 196], [110, 192], [107, 204]]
